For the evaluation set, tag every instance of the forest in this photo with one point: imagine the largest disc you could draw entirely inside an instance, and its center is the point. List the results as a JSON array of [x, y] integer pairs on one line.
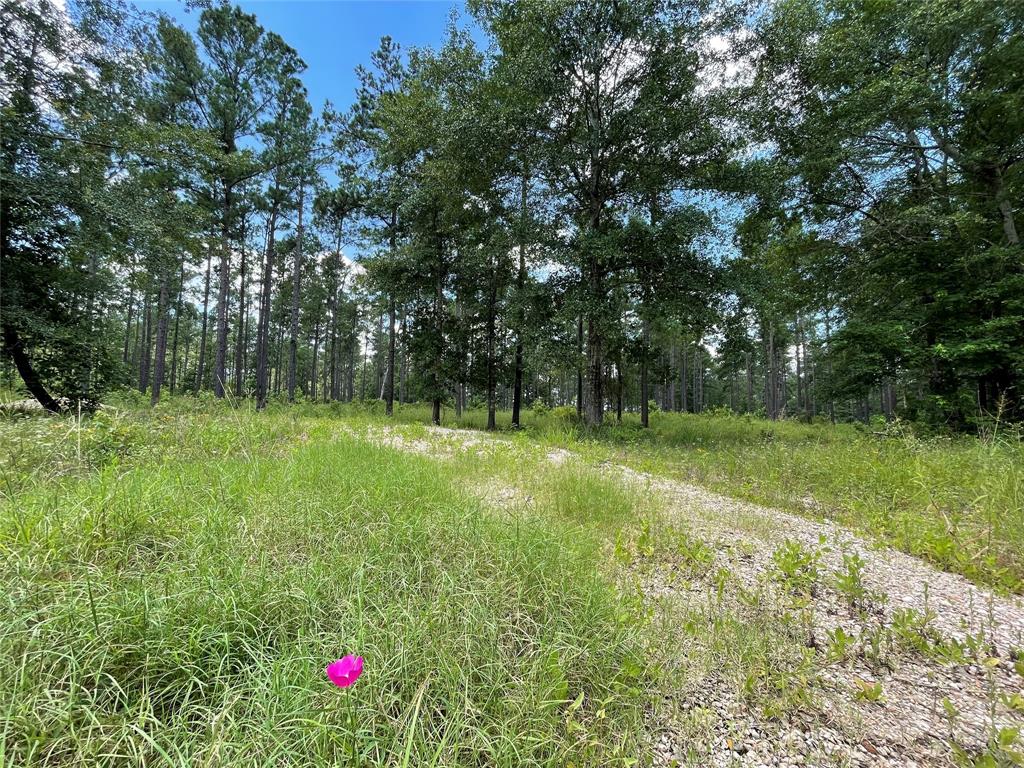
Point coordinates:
[[604, 205], [628, 383]]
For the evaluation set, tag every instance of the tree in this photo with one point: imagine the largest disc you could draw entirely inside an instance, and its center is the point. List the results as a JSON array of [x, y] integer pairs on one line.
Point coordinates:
[[231, 77], [617, 67]]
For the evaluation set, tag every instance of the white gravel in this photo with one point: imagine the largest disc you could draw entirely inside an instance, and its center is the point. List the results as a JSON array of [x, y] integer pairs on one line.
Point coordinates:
[[908, 727]]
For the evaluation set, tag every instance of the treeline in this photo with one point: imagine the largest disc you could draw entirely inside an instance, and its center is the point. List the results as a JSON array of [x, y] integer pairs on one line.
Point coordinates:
[[804, 209]]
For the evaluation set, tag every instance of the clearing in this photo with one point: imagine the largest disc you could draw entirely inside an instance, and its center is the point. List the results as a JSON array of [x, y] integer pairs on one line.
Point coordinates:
[[176, 580]]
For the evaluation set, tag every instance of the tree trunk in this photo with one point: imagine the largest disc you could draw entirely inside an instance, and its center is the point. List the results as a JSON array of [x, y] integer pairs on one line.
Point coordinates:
[[240, 330], [13, 346], [796, 353], [362, 374], [439, 330], [389, 375], [403, 391], [184, 360], [293, 342], [770, 390], [809, 380], [177, 324], [645, 351], [618, 398], [698, 378], [353, 349], [595, 357], [263, 322], [517, 390], [312, 368], [206, 320], [670, 390], [491, 333], [221, 357], [335, 358], [145, 345], [828, 352], [684, 378], [579, 367], [128, 319], [279, 362], [750, 382], [161, 341]]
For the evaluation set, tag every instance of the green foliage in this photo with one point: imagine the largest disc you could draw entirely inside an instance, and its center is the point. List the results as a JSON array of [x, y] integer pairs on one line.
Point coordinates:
[[867, 691], [797, 568], [849, 582], [208, 568], [840, 644]]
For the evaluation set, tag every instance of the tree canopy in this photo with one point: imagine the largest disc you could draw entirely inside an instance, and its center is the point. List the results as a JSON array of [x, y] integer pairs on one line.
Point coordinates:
[[803, 208]]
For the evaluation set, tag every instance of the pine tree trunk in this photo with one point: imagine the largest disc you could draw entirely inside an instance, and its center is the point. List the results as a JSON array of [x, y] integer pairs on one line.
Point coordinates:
[[796, 352], [263, 322], [206, 320], [352, 355], [335, 358], [645, 396], [517, 391], [240, 330], [279, 361], [220, 370], [671, 388], [293, 343], [750, 382], [403, 392], [145, 345], [828, 348], [595, 357], [128, 318], [436, 369], [389, 375], [184, 360], [177, 324], [579, 368], [312, 369], [492, 312], [362, 374], [618, 394], [161, 341]]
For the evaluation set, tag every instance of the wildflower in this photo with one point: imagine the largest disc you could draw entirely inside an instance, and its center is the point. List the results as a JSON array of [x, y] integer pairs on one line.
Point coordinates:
[[345, 671]]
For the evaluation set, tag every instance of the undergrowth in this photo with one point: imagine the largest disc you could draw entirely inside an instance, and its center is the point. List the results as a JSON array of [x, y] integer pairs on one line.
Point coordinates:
[[174, 587]]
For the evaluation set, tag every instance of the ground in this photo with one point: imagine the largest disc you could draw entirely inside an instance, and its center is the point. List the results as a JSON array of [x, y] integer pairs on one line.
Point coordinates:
[[177, 580]]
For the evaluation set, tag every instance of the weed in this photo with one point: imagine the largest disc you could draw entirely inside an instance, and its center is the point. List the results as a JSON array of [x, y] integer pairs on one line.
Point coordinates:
[[840, 644], [797, 568], [175, 598], [849, 582], [868, 691]]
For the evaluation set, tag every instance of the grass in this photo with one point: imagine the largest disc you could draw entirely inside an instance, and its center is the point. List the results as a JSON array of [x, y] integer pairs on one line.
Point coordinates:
[[166, 610], [957, 502], [176, 579]]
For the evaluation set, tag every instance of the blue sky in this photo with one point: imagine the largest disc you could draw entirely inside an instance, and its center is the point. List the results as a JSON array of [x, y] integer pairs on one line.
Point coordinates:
[[333, 36]]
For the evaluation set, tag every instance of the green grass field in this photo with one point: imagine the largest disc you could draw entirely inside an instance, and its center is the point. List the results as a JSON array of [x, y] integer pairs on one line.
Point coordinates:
[[957, 502], [175, 580]]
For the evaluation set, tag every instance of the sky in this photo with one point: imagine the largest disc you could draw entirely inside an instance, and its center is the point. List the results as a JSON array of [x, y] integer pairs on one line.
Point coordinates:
[[334, 36]]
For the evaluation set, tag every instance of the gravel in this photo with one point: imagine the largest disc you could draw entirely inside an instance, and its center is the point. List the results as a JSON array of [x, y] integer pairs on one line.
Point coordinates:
[[909, 726]]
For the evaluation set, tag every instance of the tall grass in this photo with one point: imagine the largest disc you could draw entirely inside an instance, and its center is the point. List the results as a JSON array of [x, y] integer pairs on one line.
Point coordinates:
[[956, 501], [174, 602]]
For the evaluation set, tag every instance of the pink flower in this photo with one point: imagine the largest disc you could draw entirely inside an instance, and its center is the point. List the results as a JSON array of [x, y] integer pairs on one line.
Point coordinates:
[[346, 671]]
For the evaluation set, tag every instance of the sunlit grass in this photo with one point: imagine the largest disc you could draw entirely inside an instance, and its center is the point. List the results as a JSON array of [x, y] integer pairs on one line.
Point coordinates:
[[166, 609], [958, 502], [176, 579]]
